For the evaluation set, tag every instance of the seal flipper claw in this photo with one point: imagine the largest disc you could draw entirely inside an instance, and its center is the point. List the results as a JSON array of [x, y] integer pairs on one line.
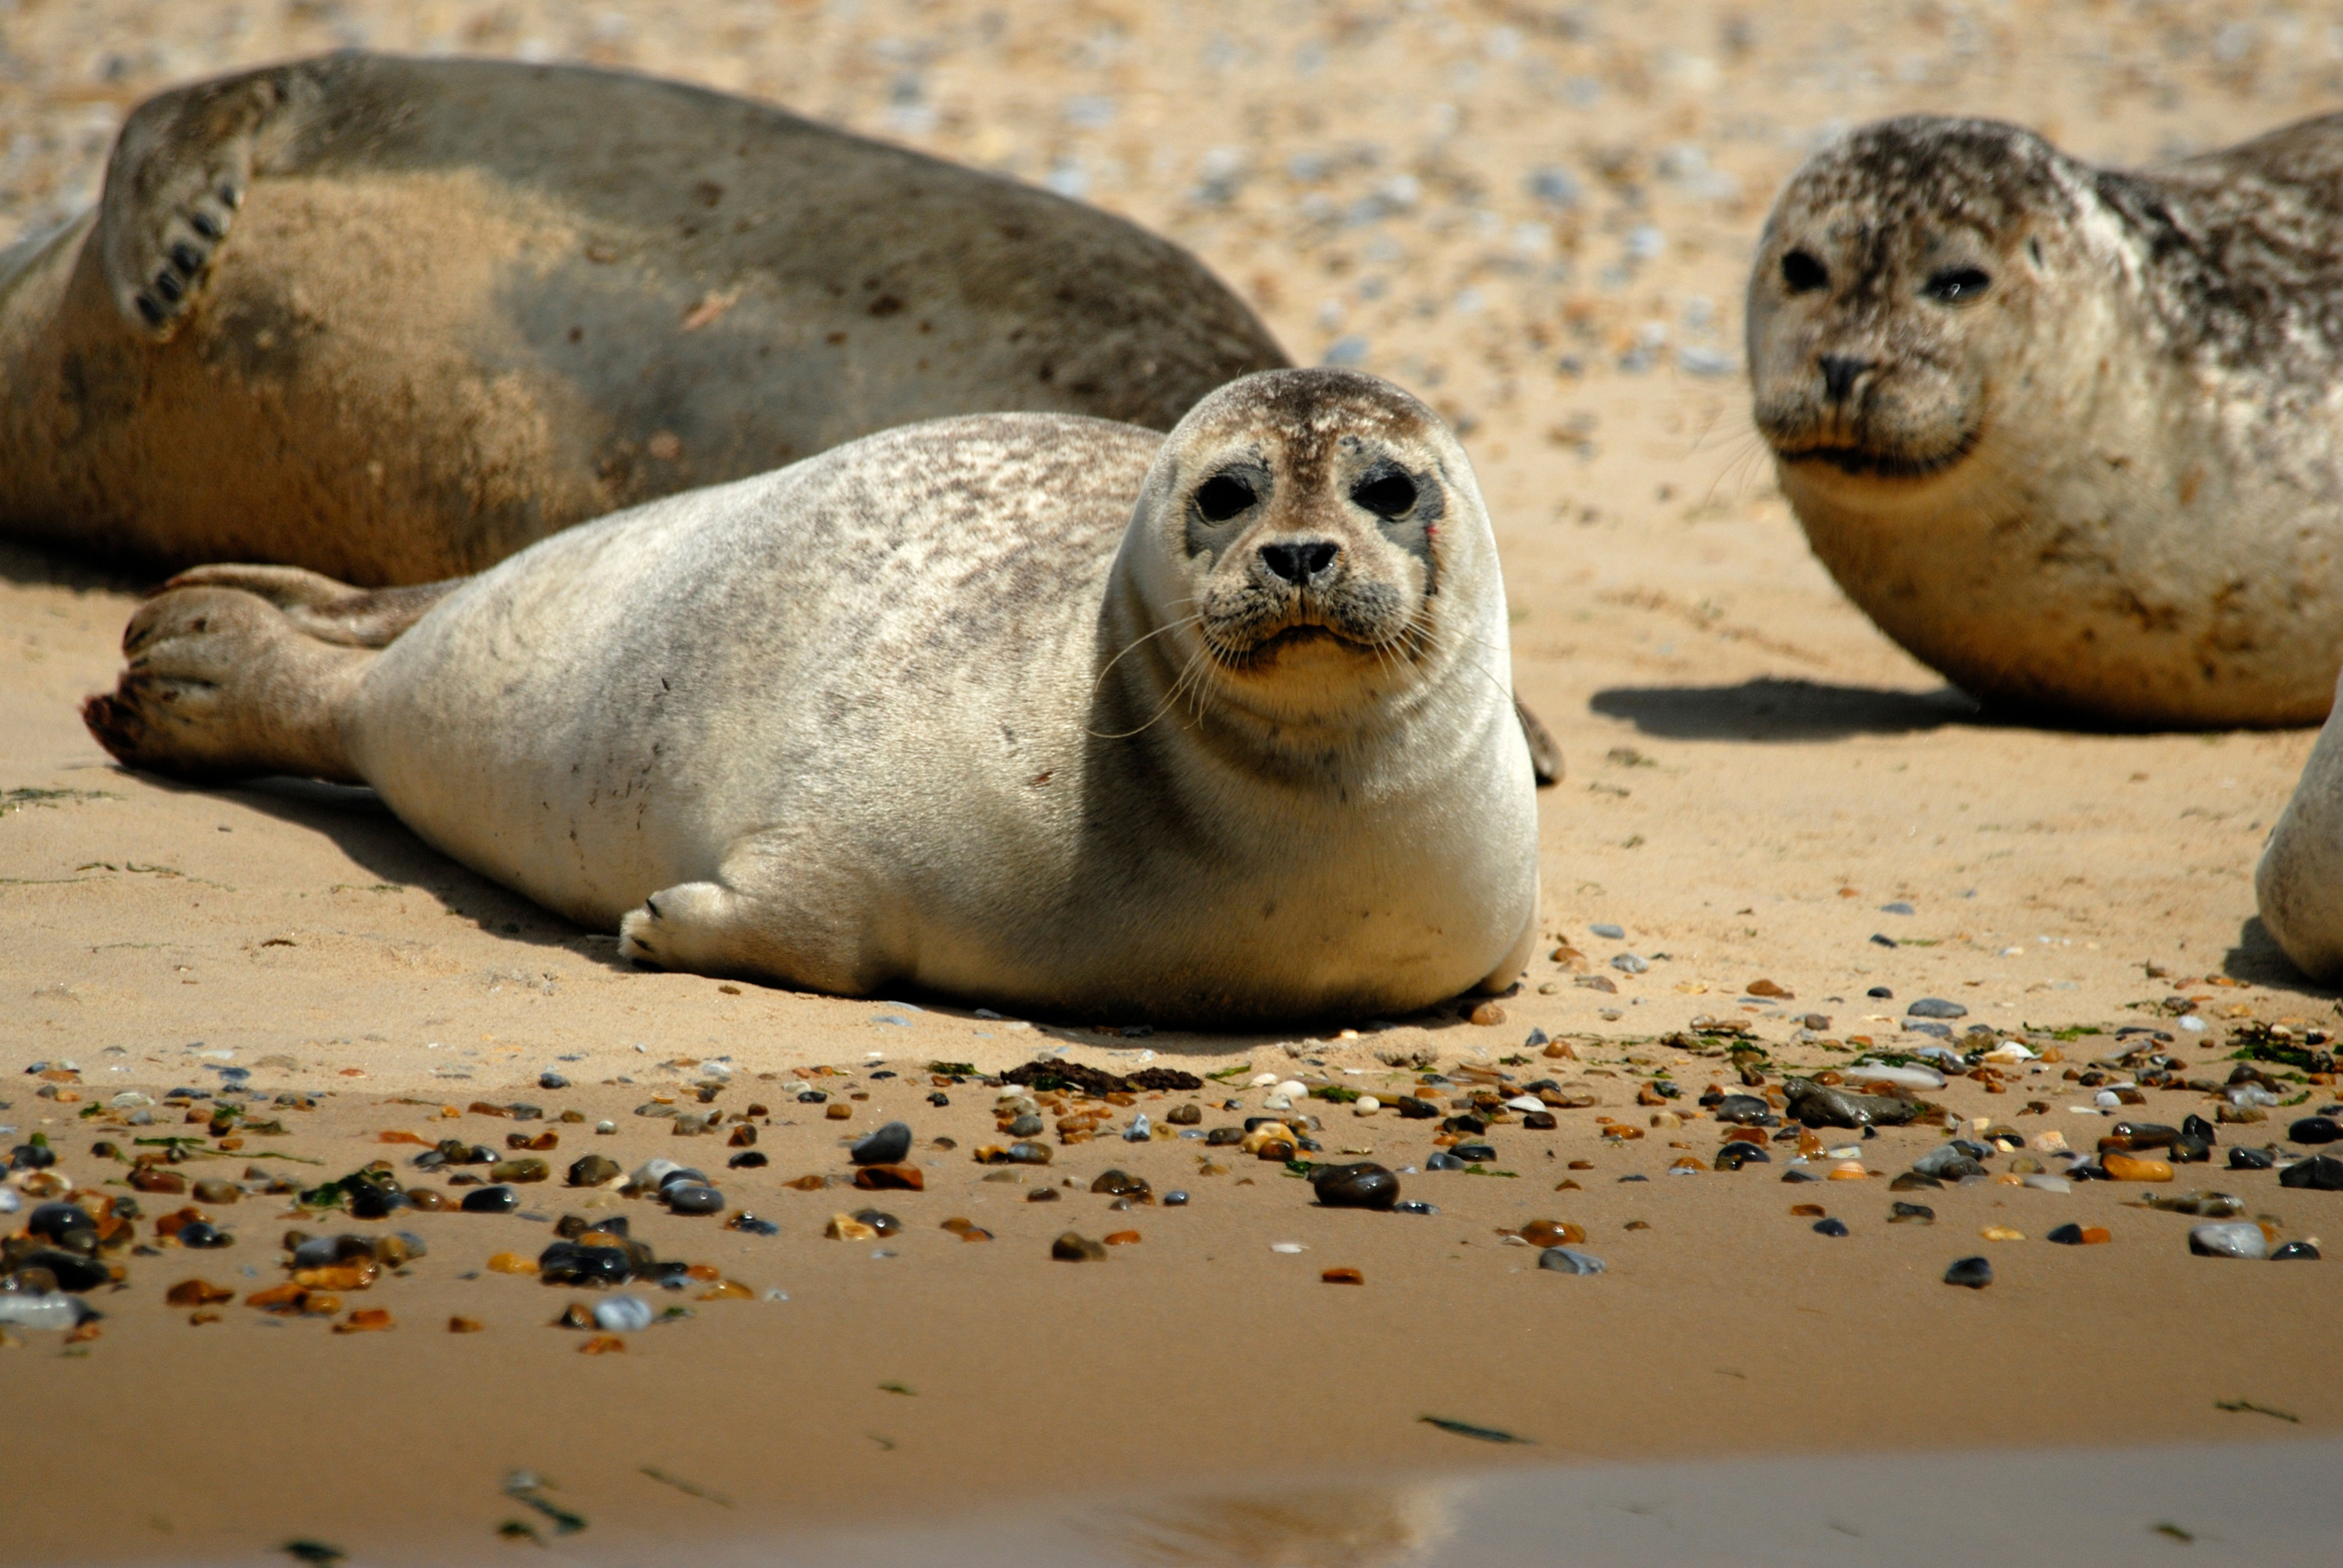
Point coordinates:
[[326, 610], [173, 186]]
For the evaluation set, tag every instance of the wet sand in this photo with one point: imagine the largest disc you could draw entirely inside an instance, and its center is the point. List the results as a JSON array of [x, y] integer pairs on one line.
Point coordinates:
[[1754, 774]]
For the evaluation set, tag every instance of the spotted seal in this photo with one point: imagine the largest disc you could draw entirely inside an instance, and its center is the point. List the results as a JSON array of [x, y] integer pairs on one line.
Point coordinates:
[[392, 319], [1036, 709], [2071, 436], [2299, 883]]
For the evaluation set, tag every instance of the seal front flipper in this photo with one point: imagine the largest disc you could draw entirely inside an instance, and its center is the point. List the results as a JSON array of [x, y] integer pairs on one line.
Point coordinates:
[[718, 927], [176, 178], [1545, 752]]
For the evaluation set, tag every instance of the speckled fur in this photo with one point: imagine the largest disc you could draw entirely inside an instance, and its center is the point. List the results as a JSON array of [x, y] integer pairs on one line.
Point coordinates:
[[2111, 486], [393, 319], [938, 708]]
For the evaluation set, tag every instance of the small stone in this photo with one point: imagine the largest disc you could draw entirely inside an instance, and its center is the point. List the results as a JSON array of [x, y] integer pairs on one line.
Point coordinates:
[[1071, 1247], [197, 1293], [2293, 1251], [464, 1325], [365, 1320], [551, 1081], [1361, 1185], [888, 1146], [1342, 1277], [602, 1345], [2315, 1129], [837, 1111], [1026, 1127], [2127, 1168], [518, 1170], [2002, 1233], [2242, 1159], [1042, 1195], [1121, 1238], [623, 1314], [2319, 1173], [2234, 1239], [1189, 1114], [1139, 1131], [1977, 1274], [1629, 963], [594, 1170], [1935, 1007], [202, 1234], [511, 1263], [1552, 1233], [1570, 1260], [216, 1191], [1912, 1181], [1488, 1015], [1738, 1153], [881, 1222], [891, 1178], [1830, 1227], [1175, 1199], [155, 1179], [491, 1201], [425, 1198], [1413, 1206], [1910, 1214]]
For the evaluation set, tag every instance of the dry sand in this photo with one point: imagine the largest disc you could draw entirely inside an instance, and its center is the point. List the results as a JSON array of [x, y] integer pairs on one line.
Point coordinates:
[[1754, 772]]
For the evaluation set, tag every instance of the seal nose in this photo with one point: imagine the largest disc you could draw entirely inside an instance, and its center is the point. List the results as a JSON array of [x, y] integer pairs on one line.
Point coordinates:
[[1298, 564], [1839, 373]]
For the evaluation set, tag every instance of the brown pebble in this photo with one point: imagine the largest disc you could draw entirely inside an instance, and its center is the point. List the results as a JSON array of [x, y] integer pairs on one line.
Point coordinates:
[[1071, 1247], [882, 1178], [744, 1135], [197, 1293], [574, 1316], [1343, 1277], [218, 1192], [365, 1320], [428, 1200], [602, 1345], [837, 1111], [463, 1325], [1121, 1238], [1637, 1225], [1552, 1233], [1582, 1165], [809, 1184], [1488, 1015], [147, 1179], [197, 1319], [1807, 1211]]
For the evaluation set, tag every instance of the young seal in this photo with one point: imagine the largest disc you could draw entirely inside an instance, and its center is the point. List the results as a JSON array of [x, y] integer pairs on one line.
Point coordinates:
[[1028, 708], [394, 319], [2299, 885], [2075, 438]]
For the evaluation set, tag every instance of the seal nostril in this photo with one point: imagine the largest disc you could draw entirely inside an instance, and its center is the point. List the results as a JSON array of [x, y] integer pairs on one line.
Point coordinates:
[[1839, 374], [1297, 564]]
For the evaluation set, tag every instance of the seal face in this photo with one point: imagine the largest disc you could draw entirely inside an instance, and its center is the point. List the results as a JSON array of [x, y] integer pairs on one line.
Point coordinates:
[[1031, 708], [2070, 435]]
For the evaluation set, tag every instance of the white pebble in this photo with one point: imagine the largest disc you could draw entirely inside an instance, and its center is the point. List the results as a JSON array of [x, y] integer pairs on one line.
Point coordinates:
[[1263, 1080], [2193, 1024], [1526, 1102], [1287, 1247]]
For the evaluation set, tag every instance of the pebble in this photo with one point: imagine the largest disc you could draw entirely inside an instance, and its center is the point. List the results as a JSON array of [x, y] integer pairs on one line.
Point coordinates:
[[886, 1146], [1026, 1127], [1473, 1153], [1121, 1184], [881, 1222], [1042, 1195], [1830, 1227], [1735, 1154], [2126, 1168], [622, 1314], [2001, 1233], [2315, 1129], [1608, 932], [1440, 1160], [1905, 1077], [2071, 1235], [491, 1201], [748, 1159], [1175, 1199], [216, 1191], [1629, 963], [1910, 1214], [1362, 1185], [1743, 1110], [531, 1169], [1935, 1007], [1413, 1206], [2049, 1183], [1570, 1260], [1975, 1273], [2319, 1173], [2251, 1159], [1189, 1114], [2233, 1239], [550, 1079], [44, 1310], [2293, 1250], [202, 1234], [1071, 1247], [689, 1198], [847, 1228], [1140, 1130]]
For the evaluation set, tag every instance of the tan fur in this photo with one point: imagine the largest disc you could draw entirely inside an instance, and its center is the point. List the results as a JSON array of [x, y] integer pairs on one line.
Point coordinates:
[[393, 319], [988, 706], [2104, 475]]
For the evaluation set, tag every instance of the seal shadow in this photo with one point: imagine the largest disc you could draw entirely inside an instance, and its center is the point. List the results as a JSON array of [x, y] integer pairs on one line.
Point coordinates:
[[2257, 960], [47, 566], [1768, 708], [357, 822]]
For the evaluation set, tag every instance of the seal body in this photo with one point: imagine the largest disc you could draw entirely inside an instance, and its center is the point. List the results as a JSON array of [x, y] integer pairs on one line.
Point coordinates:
[[2073, 436], [393, 319], [1037, 709], [2298, 884]]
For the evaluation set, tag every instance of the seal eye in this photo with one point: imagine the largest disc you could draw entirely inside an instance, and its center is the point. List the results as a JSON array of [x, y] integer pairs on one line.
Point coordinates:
[[1386, 494], [1959, 286], [1222, 497], [1802, 273]]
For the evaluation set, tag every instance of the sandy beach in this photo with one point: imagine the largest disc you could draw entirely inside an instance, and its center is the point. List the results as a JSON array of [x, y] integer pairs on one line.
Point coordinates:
[[1538, 218]]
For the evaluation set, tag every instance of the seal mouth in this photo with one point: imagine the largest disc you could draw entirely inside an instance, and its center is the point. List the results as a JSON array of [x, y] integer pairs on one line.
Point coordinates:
[[1292, 636], [1867, 463]]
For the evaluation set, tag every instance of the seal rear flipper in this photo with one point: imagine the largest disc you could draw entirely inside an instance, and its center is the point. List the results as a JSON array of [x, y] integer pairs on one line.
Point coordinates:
[[176, 180], [326, 610], [219, 684]]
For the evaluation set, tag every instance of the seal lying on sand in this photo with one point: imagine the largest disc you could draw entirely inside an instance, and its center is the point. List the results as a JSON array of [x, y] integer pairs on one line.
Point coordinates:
[[1031, 708], [394, 319], [2300, 883], [2075, 438]]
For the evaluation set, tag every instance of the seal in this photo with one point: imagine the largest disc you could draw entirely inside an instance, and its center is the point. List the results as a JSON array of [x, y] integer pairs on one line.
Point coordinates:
[[392, 319], [2071, 437], [1034, 710], [2299, 883]]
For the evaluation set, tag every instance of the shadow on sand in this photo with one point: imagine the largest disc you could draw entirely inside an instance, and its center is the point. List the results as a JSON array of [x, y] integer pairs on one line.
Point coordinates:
[[1791, 710]]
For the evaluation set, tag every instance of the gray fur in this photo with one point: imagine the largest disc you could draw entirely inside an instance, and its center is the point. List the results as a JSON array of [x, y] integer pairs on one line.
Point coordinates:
[[969, 705]]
